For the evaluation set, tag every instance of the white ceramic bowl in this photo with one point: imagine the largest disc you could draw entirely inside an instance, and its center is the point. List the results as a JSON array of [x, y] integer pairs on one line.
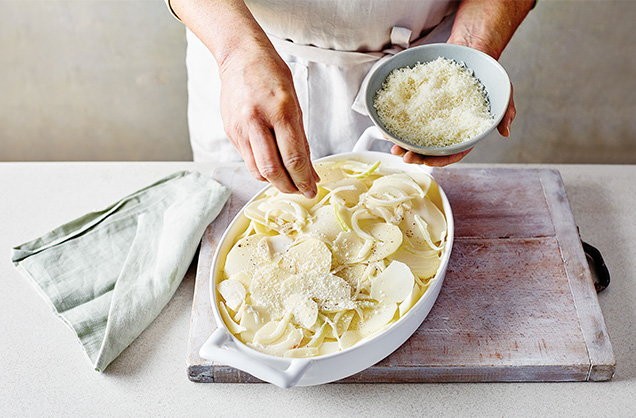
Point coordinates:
[[224, 348], [491, 74]]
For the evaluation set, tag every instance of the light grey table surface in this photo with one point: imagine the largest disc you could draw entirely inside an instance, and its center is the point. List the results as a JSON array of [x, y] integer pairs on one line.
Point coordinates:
[[43, 371]]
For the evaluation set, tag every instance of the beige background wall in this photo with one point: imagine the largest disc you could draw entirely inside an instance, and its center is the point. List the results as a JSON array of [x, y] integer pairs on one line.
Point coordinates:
[[105, 80]]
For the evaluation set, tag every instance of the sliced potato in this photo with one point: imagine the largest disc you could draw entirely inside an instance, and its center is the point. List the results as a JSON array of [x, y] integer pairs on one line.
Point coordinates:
[[301, 352], [423, 264], [435, 220], [388, 239], [233, 292], [410, 300], [324, 224], [328, 290], [304, 310], [244, 255], [349, 338], [347, 248], [394, 284], [265, 289], [278, 244], [329, 347], [328, 171], [423, 179], [353, 274], [244, 277], [311, 255], [250, 319], [375, 319]]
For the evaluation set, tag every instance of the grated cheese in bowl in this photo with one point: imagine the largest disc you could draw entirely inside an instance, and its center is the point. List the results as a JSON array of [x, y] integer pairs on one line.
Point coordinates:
[[435, 104]]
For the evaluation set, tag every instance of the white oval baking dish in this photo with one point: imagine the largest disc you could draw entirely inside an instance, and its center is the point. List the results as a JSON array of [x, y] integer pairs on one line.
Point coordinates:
[[224, 348]]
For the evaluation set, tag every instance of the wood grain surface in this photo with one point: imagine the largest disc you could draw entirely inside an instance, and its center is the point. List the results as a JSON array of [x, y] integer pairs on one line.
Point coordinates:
[[517, 304]]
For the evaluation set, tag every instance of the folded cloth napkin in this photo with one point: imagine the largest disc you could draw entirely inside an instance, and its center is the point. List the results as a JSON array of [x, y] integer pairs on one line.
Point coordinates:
[[108, 274]]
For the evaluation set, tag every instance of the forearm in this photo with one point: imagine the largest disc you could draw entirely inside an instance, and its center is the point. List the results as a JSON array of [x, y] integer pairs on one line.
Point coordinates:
[[488, 25], [224, 26]]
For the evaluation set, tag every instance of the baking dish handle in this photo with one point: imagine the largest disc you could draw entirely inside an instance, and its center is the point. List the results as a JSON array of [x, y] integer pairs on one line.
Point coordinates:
[[372, 134], [221, 347], [368, 137]]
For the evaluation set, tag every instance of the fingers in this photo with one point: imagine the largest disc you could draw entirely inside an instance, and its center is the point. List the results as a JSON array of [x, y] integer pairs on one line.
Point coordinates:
[[511, 112], [398, 150], [433, 161], [267, 158], [248, 156], [295, 155]]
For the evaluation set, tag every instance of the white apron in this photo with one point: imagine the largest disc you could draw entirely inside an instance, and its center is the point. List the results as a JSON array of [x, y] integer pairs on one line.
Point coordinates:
[[329, 83]]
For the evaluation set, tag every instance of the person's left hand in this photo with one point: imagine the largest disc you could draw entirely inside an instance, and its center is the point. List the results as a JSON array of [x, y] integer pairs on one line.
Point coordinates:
[[440, 161]]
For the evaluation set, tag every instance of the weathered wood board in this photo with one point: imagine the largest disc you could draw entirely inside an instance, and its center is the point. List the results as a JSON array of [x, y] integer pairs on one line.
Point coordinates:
[[518, 302]]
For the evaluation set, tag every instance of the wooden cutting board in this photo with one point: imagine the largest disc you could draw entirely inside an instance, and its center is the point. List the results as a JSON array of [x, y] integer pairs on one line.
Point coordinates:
[[518, 302]]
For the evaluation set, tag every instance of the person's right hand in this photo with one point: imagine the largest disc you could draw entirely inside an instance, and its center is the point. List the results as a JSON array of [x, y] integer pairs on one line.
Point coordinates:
[[263, 119]]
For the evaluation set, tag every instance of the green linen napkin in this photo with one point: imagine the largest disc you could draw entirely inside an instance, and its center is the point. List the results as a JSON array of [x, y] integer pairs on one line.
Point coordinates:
[[108, 274]]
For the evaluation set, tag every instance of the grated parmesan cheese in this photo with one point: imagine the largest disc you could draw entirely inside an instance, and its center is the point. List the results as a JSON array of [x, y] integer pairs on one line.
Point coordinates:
[[438, 103]]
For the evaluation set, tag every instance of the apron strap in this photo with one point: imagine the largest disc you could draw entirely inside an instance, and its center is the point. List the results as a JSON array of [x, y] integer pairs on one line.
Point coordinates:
[[400, 40], [400, 37]]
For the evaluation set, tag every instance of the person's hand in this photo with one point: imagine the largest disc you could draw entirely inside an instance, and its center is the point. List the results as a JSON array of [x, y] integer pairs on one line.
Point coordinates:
[[263, 119], [487, 26]]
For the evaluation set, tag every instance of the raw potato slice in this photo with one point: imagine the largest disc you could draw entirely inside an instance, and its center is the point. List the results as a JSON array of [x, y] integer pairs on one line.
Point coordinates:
[[244, 255], [423, 264], [423, 179], [347, 248], [250, 320], [413, 232], [354, 275], [436, 222], [388, 239], [328, 172], [233, 292], [375, 319], [324, 224], [304, 309], [329, 347], [328, 290], [394, 284], [301, 352], [349, 338], [244, 277], [278, 244], [311, 255], [410, 300], [265, 289]]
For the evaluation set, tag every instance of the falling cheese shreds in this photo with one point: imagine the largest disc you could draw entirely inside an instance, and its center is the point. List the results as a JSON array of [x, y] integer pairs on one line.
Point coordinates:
[[437, 103], [309, 277]]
